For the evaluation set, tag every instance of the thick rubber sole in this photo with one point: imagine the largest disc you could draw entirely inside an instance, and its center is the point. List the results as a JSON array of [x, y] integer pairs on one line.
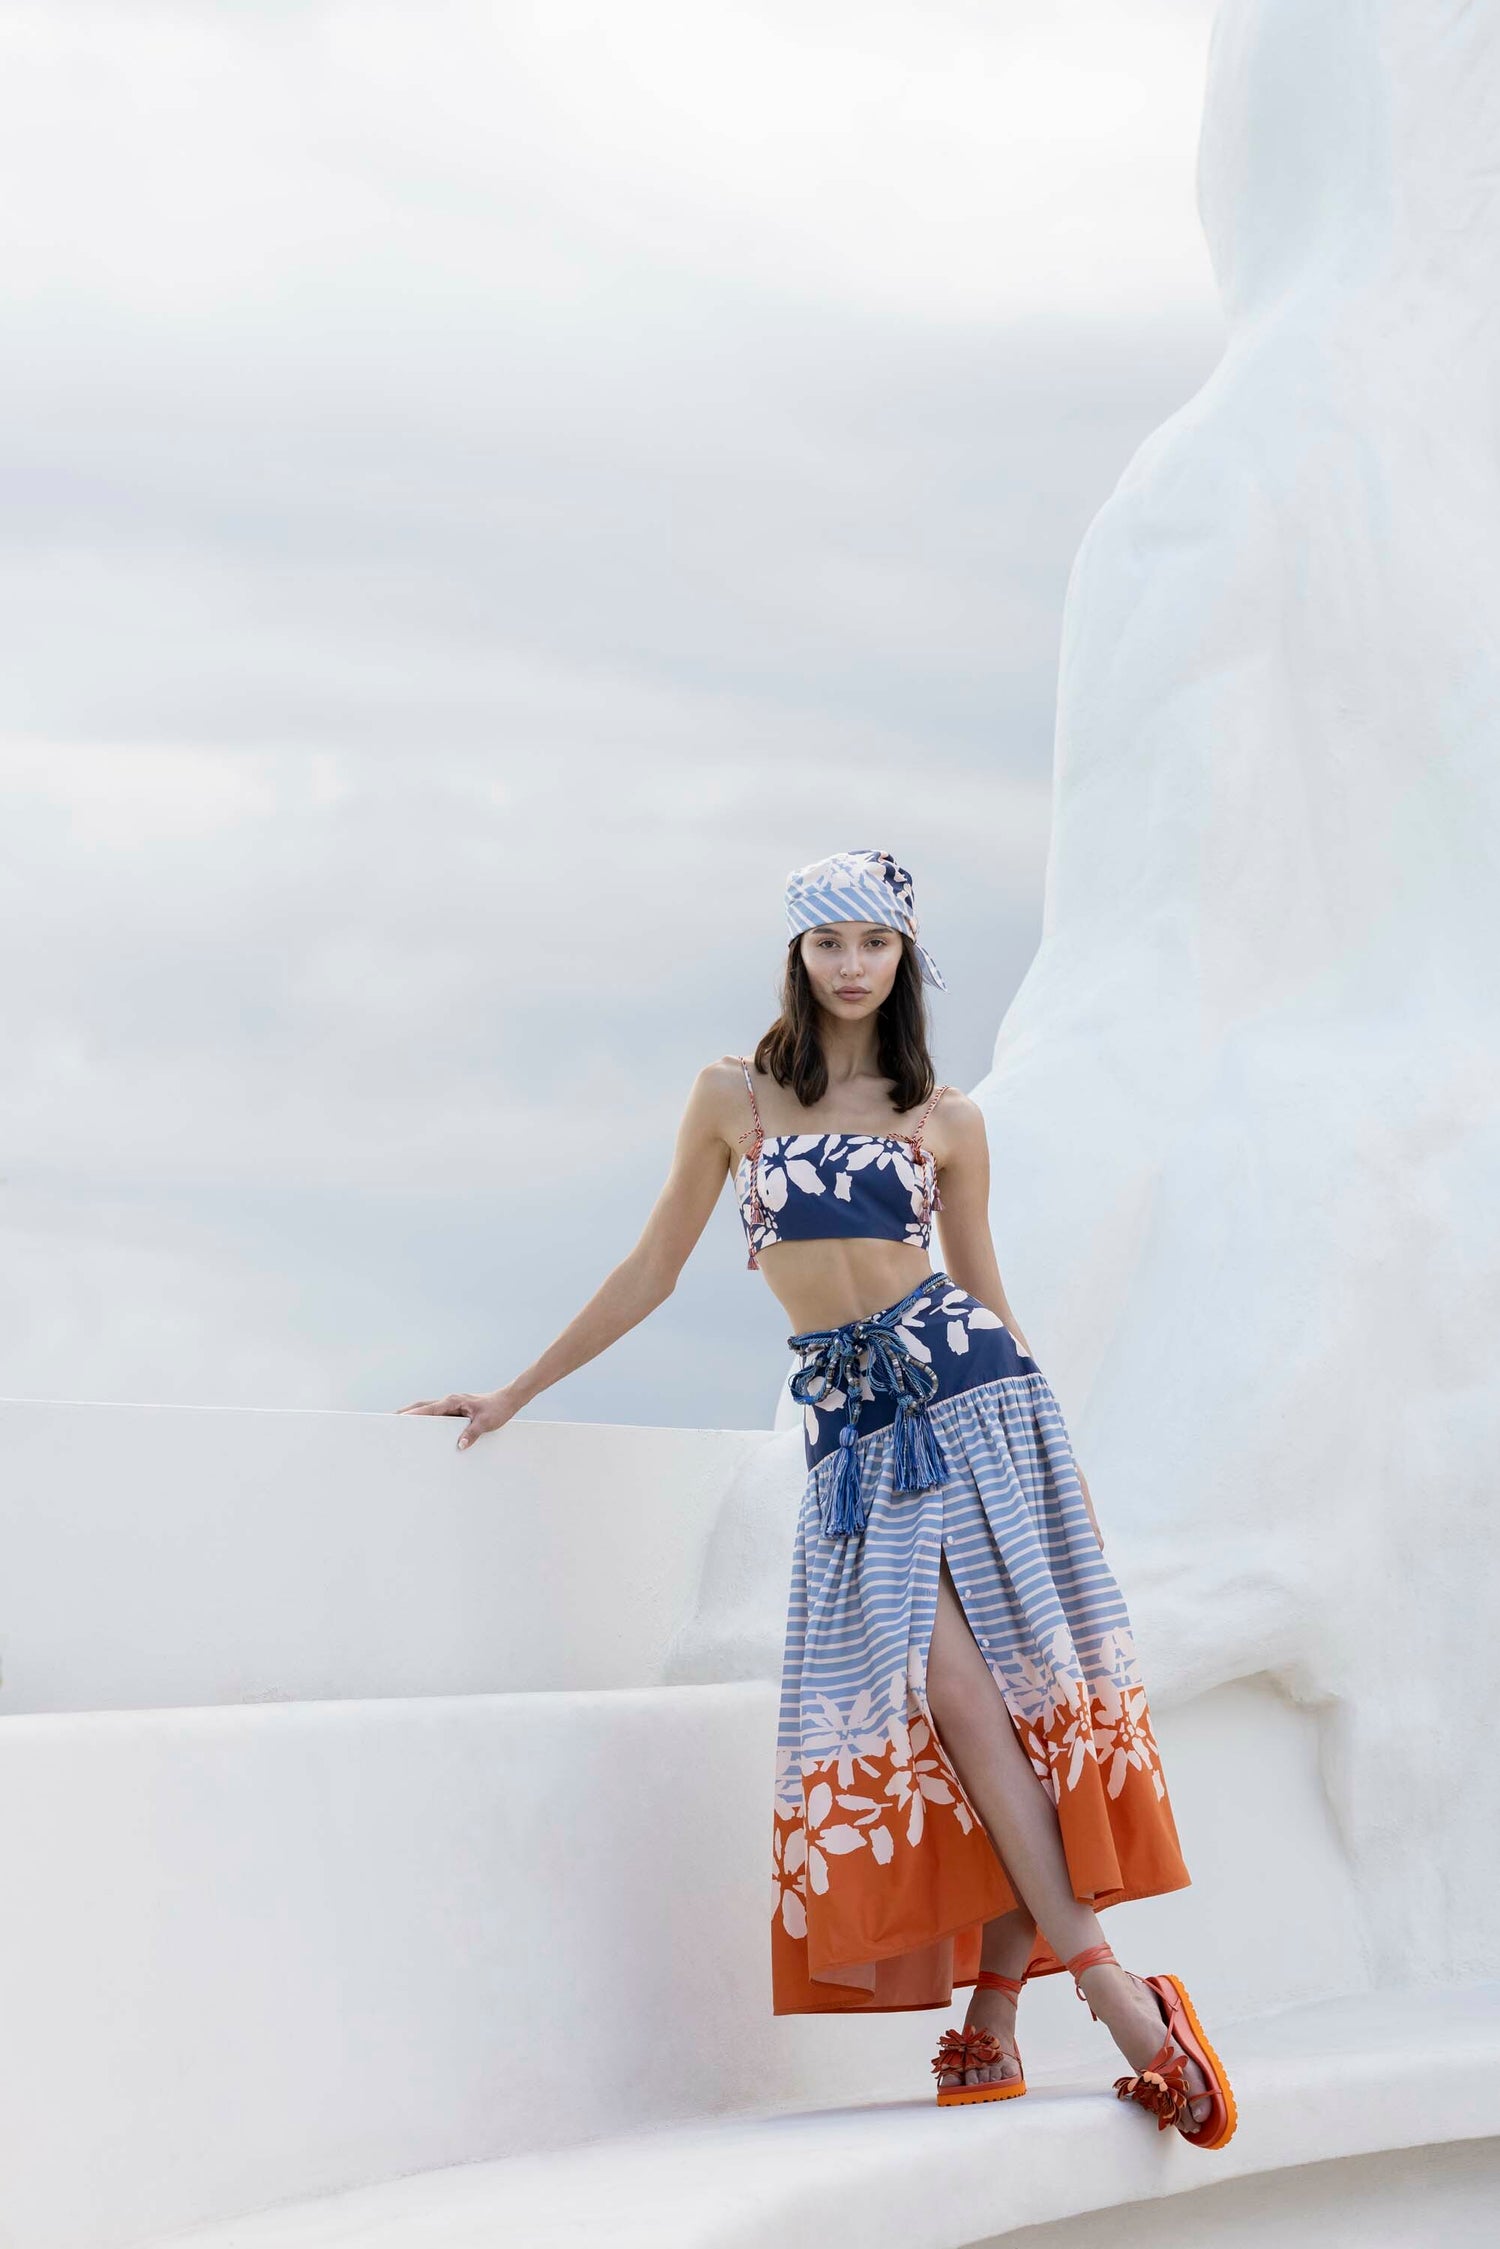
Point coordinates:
[[964, 2096], [1206, 2058]]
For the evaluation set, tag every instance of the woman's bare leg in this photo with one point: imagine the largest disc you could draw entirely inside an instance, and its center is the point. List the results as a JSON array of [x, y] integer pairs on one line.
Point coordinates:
[[1020, 1818], [1006, 1947]]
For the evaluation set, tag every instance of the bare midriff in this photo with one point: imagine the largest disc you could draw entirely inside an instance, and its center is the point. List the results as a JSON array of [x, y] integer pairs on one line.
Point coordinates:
[[823, 1284]]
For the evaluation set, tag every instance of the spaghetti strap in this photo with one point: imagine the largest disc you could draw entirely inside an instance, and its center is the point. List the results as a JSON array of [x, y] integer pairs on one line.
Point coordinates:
[[933, 1197], [937, 1095], [755, 1210], [750, 1089]]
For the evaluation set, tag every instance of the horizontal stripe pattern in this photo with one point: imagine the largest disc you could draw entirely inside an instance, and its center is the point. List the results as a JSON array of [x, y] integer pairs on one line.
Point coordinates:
[[857, 886], [1043, 1603]]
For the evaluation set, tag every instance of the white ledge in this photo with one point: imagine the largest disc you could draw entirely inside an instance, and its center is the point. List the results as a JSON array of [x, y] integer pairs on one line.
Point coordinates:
[[179, 1555], [1346, 2078]]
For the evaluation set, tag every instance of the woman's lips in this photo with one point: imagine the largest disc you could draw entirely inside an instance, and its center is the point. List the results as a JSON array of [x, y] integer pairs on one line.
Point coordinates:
[[851, 992]]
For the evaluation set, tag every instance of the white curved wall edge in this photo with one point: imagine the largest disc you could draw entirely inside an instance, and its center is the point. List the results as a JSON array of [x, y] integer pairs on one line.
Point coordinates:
[[1245, 1109], [1324, 2085], [167, 1554], [257, 1952], [1252, 1088]]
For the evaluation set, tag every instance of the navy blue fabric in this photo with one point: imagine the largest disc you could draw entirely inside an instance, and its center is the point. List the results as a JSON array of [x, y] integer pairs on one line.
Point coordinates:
[[939, 1324], [818, 1186]]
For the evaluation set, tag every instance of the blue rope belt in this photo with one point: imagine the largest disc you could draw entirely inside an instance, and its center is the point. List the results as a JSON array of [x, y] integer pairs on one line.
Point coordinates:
[[871, 1350]]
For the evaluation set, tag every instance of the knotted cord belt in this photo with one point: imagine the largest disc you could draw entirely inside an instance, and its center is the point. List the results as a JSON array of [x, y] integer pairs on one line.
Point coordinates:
[[834, 1362]]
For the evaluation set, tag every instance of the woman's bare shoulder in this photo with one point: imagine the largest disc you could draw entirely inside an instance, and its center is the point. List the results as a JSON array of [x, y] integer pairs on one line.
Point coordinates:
[[961, 1121], [721, 1104], [725, 1077], [719, 1090]]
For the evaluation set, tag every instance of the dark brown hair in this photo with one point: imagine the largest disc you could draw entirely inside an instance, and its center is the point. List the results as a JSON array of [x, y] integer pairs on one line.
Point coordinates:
[[792, 1052]]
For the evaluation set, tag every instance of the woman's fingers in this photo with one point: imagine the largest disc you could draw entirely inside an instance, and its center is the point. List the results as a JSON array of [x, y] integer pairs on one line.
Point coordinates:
[[481, 1413]]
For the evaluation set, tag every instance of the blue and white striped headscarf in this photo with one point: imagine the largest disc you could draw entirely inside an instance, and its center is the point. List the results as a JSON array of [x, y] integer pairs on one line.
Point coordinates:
[[856, 886]]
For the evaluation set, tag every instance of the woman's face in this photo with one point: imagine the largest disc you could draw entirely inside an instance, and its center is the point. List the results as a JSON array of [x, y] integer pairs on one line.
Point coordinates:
[[851, 966]]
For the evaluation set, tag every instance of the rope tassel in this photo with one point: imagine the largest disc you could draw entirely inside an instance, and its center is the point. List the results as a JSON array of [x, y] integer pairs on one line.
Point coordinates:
[[918, 1459], [858, 1359], [846, 1513]]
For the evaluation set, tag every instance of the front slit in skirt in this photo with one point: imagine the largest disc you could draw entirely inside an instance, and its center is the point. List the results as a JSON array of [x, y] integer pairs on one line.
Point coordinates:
[[883, 1874]]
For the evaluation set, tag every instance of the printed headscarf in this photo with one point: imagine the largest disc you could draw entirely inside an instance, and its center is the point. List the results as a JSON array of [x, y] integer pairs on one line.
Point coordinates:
[[857, 886]]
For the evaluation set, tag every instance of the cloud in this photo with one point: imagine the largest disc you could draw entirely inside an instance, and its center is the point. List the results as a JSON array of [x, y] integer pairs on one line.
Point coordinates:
[[945, 161], [487, 490]]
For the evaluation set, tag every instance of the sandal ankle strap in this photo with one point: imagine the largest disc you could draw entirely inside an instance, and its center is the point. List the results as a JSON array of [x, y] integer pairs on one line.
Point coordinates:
[[990, 1979], [1094, 1956]]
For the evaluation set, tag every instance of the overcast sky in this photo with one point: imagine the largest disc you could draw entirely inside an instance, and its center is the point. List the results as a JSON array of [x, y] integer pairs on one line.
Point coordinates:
[[487, 489]]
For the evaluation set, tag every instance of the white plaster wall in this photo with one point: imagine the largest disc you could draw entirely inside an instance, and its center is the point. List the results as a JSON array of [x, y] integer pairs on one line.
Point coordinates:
[[254, 1953], [1244, 1126], [1328, 2092], [1245, 1110], [163, 1554], [736, 1627]]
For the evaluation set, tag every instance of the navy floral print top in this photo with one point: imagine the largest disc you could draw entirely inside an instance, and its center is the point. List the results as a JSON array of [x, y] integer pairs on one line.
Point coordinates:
[[810, 1186]]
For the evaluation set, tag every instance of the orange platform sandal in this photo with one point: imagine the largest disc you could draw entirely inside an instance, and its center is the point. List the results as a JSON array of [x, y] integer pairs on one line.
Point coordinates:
[[1162, 2086], [959, 2050]]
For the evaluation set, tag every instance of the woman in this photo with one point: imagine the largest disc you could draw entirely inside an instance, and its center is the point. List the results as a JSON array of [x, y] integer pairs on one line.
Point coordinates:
[[966, 1769]]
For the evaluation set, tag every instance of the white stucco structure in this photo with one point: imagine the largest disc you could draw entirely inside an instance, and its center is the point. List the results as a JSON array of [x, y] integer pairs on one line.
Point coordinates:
[[163, 1554], [348, 1783], [298, 1939], [1249, 1095]]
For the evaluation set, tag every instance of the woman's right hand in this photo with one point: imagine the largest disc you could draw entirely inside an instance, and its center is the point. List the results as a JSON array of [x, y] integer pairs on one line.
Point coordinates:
[[483, 1409]]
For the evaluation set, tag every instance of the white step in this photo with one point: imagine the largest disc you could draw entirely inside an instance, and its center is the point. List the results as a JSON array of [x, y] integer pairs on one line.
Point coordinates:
[[1316, 2086], [249, 1953], [166, 1554]]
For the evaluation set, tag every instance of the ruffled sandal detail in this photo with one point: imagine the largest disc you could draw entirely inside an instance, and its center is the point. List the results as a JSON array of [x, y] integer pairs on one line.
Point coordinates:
[[1161, 2088], [960, 2050], [1162, 2085]]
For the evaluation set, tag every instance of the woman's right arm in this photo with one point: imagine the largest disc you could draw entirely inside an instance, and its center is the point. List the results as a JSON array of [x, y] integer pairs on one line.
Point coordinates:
[[642, 1280]]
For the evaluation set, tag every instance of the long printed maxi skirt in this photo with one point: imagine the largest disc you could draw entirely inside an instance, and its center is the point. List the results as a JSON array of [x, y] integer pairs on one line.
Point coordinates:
[[883, 1874]]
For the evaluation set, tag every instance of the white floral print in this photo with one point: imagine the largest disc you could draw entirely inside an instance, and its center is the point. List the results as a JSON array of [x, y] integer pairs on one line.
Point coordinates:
[[808, 1164], [859, 1156], [916, 1781], [963, 1316], [789, 1879], [788, 1782], [833, 1739], [1122, 1723], [789, 1168], [872, 1818], [1074, 1736], [829, 1838]]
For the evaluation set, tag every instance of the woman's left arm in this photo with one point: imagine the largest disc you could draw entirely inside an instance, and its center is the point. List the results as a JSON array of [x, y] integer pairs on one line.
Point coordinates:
[[964, 1224]]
